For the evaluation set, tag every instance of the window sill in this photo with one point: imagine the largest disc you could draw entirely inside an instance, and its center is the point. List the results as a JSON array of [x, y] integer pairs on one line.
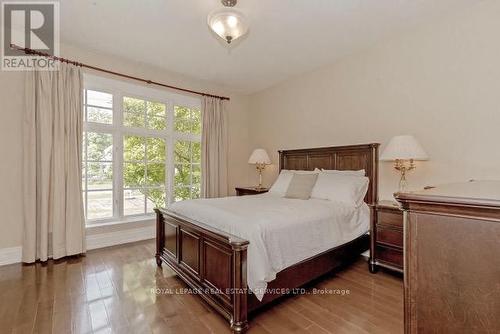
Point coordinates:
[[128, 220]]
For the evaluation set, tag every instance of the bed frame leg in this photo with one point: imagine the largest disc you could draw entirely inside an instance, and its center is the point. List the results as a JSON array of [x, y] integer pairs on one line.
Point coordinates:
[[239, 321], [239, 327], [160, 236], [372, 267], [158, 260]]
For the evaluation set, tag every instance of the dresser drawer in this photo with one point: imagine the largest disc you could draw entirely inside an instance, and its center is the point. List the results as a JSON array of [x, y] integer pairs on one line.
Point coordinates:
[[389, 255], [390, 236], [387, 237], [393, 218]]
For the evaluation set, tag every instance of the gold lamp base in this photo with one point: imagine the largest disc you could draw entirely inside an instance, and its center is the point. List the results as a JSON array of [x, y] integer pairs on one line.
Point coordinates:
[[260, 168], [404, 166]]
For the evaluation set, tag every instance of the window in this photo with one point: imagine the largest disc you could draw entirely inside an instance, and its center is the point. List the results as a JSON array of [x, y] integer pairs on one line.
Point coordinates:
[[141, 149], [187, 178], [97, 169], [187, 120], [187, 154]]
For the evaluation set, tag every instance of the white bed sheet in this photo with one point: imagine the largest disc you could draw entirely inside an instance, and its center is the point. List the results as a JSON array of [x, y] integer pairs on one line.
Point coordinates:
[[281, 231]]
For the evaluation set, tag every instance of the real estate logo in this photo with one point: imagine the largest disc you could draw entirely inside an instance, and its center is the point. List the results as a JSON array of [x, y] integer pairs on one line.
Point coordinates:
[[30, 25]]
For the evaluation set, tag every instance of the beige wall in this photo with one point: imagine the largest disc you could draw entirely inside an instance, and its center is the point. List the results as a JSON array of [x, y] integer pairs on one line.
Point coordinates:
[[440, 83], [11, 102], [11, 106]]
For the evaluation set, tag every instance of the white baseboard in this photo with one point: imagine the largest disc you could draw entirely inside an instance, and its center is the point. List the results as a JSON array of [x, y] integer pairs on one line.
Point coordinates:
[[10, 255], [14, 254], [107, 239]]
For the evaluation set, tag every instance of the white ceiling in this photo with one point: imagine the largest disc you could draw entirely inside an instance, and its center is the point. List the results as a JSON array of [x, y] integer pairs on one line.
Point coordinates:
[[286, 37]]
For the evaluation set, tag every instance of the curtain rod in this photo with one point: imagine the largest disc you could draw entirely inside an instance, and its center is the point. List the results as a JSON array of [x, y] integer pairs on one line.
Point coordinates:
[[95, 68]]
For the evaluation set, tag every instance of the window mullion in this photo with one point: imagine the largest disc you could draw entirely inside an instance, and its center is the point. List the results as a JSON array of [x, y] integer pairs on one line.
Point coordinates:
[[86, 172], [169, 163], [145, 185], [118, 135], [190, 169]]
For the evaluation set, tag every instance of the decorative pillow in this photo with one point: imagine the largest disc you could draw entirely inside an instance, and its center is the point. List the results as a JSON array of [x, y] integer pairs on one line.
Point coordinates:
[[301, 186], [341, 188], [280, 186], [360, 172]]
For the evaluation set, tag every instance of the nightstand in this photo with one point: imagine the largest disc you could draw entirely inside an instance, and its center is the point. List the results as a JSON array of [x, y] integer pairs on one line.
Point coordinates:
[[242, 191], [386, 246]]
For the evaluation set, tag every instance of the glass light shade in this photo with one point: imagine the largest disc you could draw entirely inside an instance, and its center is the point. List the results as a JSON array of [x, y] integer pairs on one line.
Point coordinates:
[[259, 156], [228, 23], [403, 148]]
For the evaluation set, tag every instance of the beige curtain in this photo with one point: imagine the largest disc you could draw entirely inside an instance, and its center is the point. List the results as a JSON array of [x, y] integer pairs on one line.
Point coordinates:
[[54, 224], [214, 148]]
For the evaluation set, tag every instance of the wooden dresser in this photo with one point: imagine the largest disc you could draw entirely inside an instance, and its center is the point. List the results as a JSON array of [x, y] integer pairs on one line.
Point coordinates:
[[452, 258]]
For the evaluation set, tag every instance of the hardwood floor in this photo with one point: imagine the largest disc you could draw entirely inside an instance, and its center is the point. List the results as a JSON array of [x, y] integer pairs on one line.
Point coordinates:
[[121, 290]]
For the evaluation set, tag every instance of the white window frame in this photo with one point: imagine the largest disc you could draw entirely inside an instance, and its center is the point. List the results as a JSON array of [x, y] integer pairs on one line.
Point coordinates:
[[119, 90]]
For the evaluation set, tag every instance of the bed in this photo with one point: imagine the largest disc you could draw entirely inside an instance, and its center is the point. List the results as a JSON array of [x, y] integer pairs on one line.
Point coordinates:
[[206, 242]]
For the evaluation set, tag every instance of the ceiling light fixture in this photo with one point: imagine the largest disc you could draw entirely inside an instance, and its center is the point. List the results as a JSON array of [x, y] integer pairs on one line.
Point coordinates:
[[228, 23]]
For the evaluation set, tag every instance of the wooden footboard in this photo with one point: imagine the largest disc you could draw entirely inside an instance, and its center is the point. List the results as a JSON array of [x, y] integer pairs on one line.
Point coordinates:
[[214, 265], [211, 262]]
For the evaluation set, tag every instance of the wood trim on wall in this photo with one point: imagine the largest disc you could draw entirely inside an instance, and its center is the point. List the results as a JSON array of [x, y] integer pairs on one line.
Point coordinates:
[[10, 255], [13, 255], [123, 236]]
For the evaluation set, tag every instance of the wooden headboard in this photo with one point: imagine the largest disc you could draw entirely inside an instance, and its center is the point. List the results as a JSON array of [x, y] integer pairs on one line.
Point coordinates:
[[352, 157]]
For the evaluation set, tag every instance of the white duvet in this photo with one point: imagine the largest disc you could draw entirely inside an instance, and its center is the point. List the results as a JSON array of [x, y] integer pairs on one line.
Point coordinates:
[[281, 231]]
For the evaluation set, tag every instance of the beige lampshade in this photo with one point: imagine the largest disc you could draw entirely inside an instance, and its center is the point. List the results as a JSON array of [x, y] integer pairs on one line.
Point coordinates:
[[403, 148], [259, 156]]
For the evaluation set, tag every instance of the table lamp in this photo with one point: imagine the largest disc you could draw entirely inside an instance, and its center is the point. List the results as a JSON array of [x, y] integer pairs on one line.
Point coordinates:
[[260, 159], [403, 150]]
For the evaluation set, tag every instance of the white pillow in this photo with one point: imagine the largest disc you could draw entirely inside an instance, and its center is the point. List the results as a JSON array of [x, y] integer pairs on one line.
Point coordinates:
[[360, 172], [281, 184], [341, 188]]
